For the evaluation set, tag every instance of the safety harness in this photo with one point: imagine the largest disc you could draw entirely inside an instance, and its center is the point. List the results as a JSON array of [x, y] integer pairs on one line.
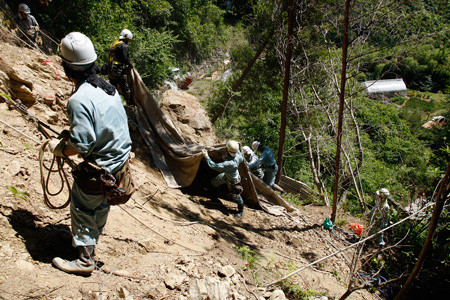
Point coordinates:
[[112, 55]]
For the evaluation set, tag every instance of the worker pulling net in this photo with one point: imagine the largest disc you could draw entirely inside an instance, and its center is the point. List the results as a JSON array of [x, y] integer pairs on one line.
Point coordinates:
[[179, 161]]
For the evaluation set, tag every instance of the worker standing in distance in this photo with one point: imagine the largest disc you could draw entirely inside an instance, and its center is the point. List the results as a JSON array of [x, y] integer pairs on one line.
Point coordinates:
[[27, 24], [120, 65], [267, 162], [251, 157], [229, 173], [379, 215], [99, 133]]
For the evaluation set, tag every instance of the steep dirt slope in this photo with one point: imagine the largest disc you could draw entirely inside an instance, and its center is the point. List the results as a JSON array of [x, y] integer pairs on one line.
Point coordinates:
[[163, 244]]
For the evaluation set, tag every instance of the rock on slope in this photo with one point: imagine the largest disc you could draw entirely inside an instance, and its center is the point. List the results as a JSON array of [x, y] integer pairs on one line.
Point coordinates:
[[162, 244]]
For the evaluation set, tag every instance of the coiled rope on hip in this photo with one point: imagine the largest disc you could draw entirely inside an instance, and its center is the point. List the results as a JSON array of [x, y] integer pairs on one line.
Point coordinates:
[[59, 162]]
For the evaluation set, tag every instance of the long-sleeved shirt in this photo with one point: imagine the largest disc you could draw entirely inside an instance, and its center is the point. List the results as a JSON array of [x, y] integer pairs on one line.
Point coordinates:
[[251, 159], [27, 25], [99, 127], [229, 166], [265, 160]]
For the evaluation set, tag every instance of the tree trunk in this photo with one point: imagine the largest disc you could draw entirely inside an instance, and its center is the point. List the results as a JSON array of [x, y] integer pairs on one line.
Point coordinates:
[[341, 110]]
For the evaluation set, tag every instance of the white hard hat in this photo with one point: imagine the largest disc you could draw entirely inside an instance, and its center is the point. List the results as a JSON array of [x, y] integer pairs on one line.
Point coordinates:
[[255, 145], [77, 51], [384, 193], [232, 147], [247, 150], [24, 8], [126, 34]]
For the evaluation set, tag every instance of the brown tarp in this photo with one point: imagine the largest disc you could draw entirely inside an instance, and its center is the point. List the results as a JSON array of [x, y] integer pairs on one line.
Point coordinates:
[[179, 161]]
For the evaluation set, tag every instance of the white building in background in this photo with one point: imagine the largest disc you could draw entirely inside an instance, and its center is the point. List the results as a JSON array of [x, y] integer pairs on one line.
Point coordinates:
[[385, 88]]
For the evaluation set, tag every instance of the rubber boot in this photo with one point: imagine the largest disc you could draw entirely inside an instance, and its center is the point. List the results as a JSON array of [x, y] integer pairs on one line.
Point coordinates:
[[83, 266], [240, 211]]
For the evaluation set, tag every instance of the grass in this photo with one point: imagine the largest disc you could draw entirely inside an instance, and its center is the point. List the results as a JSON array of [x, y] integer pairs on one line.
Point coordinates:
[[295, 292], [18, 194], [249, 256]]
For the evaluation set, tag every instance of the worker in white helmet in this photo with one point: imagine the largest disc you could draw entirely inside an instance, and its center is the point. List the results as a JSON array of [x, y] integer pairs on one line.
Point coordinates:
[[27, 25], [229, 173], [98, 133], [251, 157], [120, 65], [267, 162], [379, 216]]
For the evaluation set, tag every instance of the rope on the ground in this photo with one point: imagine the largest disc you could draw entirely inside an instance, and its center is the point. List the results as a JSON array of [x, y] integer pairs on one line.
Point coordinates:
[[350, 246], [115, 266], [25, 135], [165, 219], [161, 235]]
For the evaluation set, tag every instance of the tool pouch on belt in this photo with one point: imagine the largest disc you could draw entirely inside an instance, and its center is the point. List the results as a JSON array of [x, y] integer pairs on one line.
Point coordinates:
[[88, 178], [116, 72], [118, 188], [235, 188]]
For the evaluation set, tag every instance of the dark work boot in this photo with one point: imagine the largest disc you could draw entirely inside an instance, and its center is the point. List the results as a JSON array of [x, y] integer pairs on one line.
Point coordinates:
[[240, 211], [83, 266]]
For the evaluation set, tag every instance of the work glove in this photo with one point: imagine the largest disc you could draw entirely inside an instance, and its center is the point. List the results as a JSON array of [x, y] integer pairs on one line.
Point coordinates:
[[205, 153], [57, 147]]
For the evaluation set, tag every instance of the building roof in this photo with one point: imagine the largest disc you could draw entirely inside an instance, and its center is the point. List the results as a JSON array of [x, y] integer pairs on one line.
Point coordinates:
[[385, 86]]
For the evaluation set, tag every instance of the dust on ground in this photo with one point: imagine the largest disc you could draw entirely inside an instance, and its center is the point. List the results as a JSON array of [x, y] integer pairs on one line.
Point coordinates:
[[163, 243]]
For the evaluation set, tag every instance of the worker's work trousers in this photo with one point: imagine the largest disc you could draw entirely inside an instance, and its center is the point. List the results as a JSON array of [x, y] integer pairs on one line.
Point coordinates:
[[88, 217], [269, 175], [222, 179], [118, 78]]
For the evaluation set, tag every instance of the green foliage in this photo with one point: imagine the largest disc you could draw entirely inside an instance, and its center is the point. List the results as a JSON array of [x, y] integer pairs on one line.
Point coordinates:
[[394, 156], [249, 256], [164, 31], [295, 292], [28, 147], [153, 48], [19, 194], [199, 24]]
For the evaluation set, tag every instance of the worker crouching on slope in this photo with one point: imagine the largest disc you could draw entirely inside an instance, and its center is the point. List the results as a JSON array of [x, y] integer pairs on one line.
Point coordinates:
[[251, 157], [120, 64], [99, 133], [229, 173], [267, 162]]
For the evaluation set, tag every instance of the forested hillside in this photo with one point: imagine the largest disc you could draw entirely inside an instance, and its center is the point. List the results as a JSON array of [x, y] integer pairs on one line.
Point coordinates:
[[301, 107]]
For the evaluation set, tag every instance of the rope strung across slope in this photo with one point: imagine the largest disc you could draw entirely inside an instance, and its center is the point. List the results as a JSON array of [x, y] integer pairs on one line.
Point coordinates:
[[17, 130], [175, 242], [162, 218], [348, 247]]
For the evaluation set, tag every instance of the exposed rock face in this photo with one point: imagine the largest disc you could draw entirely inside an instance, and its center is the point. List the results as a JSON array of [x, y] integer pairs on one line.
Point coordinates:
[[189, 117], [32, 77]]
